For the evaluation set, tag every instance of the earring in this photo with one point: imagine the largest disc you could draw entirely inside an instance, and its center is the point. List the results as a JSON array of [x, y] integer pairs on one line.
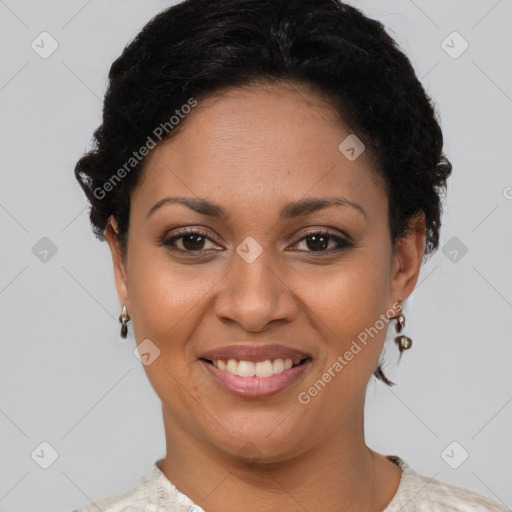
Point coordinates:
[[403, 342], [123, 318]]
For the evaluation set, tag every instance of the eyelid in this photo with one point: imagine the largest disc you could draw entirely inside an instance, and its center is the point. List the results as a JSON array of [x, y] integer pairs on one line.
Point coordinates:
[[334, 232]]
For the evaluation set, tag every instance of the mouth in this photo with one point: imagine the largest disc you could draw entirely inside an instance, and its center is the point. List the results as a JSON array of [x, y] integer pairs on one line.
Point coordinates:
[[256, 379]]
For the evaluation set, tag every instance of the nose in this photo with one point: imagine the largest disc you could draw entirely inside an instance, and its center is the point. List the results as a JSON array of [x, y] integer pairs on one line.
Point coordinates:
[[252, 295]]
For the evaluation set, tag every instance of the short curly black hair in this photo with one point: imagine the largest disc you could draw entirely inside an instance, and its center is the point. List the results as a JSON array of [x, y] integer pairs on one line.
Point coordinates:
[[198, 48]]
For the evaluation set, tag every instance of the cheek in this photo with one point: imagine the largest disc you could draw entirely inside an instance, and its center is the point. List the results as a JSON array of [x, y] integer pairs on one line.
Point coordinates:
[[164, 296], [170, 302], [350, 296], [346, 315], [348, 305], [166, 301]]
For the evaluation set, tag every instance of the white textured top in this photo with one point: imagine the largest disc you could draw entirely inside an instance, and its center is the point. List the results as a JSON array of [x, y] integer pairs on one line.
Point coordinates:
[[415, 493]]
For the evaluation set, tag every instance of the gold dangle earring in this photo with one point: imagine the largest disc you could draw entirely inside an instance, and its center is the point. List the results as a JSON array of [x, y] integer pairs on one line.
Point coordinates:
[[403, 342], [124, 317]]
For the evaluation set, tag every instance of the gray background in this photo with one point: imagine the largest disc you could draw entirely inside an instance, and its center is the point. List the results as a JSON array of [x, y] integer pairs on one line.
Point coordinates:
[[67, 378]]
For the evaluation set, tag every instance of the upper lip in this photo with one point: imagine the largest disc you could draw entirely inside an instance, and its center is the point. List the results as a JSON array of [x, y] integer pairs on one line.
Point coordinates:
[[255, 353]]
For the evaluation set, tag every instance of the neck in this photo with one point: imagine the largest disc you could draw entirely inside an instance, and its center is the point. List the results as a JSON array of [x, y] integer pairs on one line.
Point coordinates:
[[338, 475]]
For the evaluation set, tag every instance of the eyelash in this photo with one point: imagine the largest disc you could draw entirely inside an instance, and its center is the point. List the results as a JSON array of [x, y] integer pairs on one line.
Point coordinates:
[[342, 242]]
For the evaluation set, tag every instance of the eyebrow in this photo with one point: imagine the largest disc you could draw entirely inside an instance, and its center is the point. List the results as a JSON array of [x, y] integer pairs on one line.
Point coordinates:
[[289, 211]]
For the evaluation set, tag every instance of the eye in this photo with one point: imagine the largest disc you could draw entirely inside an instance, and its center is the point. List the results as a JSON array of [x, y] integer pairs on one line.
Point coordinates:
[[319, 241], [190, 241]]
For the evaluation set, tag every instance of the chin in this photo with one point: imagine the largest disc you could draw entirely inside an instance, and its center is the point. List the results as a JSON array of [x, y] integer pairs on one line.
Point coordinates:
[[262, 445]]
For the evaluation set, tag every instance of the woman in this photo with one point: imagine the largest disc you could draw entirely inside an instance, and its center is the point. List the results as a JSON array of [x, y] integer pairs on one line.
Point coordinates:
[[268, 177]]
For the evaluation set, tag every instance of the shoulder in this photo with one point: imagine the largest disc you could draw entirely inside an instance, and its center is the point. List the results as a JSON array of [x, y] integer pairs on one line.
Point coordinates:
[[116, 503], [418, 493], [154, 492], [123, 502]]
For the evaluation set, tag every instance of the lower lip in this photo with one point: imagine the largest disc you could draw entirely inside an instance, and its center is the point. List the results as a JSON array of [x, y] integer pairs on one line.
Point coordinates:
[[257, 387]]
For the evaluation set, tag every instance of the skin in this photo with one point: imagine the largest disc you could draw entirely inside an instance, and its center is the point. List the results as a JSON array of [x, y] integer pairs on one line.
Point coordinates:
[[252, 151]]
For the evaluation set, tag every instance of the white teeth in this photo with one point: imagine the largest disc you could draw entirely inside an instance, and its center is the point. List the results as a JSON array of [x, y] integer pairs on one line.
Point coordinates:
[[232, 367], [246, 368], [265, 368], [278, 366]]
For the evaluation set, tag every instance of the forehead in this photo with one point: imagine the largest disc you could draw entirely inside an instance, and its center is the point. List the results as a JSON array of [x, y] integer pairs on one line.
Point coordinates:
[[257, 142]]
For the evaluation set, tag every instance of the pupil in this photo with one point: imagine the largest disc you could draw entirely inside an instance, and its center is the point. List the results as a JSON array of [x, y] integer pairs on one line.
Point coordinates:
[[196, 243], [319, 242]]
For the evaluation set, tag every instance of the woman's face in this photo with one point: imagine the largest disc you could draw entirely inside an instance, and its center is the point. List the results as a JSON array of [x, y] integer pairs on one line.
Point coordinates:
[[259, 274]]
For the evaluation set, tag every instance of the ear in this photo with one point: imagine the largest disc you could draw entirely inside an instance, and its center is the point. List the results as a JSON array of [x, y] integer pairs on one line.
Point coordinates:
[[407, 259], [111, 235]]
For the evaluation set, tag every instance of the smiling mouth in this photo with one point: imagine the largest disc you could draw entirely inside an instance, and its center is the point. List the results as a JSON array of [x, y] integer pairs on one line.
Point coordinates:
[[261, 369]]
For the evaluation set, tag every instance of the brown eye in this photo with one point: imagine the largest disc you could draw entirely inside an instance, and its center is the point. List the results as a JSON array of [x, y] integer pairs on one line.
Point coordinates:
[[193, 242], [319, 241], [189, 241]]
